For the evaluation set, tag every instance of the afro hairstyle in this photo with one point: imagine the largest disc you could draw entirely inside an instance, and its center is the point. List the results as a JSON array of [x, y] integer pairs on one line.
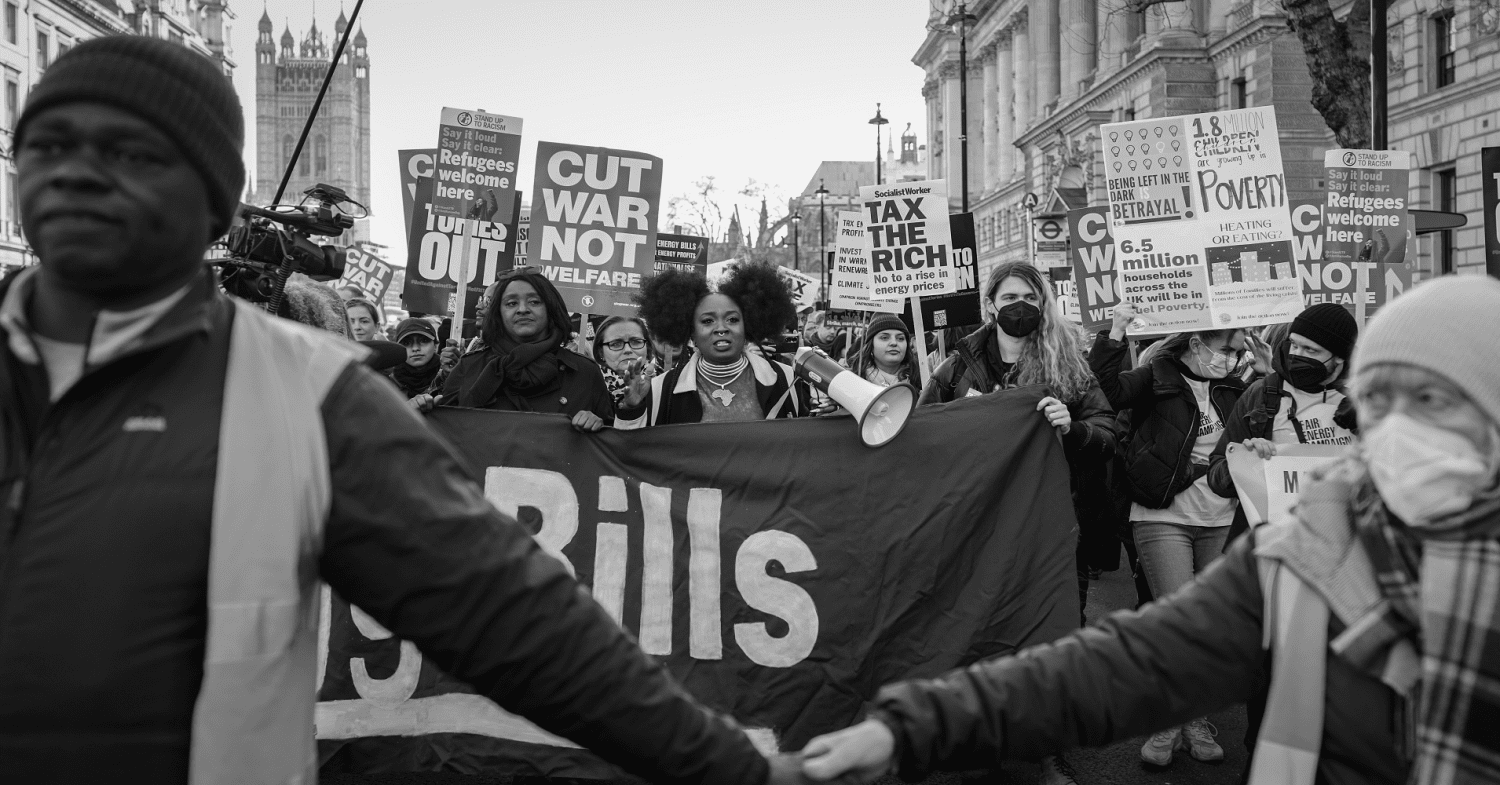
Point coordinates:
[[668, 300]]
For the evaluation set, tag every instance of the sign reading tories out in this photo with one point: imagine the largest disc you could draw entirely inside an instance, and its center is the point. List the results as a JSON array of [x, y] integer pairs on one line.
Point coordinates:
[[910, 247], [1200, 220], [593, 224]]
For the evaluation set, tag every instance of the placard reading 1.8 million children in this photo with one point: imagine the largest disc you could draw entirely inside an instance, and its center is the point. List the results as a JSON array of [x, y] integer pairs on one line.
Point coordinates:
[[1200, 219]]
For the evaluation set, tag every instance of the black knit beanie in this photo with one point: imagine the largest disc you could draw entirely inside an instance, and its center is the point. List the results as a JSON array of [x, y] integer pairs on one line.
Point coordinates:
[[174, 88], [1329, 326], [886, 322]]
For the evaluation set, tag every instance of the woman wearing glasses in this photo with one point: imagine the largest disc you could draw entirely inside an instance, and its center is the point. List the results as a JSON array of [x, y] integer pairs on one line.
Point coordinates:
[[623, 349], [1178, 404]]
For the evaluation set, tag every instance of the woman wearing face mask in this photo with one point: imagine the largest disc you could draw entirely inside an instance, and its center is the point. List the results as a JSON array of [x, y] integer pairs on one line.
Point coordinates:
[[1178, 404], [721, 381], [886, 356], [1367, 627], [622, 347], [1301, 401], [523, 364]]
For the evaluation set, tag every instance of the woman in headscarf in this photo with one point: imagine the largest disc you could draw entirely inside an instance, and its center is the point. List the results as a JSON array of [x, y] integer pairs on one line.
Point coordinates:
[[721, 382], [623, 346], [523, 364]]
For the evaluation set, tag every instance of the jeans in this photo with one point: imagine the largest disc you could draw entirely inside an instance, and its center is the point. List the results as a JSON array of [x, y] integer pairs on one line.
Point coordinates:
[[1172, 554]]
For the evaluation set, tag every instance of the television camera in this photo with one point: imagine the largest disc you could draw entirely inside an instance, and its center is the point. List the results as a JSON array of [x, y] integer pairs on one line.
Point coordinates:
[[267, 245]]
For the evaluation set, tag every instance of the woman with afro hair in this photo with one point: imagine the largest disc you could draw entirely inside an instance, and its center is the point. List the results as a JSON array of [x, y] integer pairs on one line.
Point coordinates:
[[721, 382]]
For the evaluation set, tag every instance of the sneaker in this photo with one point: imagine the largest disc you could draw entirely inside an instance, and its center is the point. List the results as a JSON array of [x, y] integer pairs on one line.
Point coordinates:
[[1158, 749], [1200, 735], [1056, 771]]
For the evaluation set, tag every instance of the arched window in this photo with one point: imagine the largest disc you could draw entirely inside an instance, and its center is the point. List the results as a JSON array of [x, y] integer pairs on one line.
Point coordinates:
[[320, 155], [287, 145]]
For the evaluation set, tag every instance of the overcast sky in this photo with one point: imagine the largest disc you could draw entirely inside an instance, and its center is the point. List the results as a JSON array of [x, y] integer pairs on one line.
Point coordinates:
[[764, 89]]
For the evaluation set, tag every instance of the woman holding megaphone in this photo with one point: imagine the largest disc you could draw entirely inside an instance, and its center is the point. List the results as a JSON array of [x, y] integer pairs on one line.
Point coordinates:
[[721, 382]]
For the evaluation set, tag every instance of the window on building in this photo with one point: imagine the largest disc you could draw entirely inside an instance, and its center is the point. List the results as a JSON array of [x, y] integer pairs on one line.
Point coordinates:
[[1445, 188], [320, 155], [63, 45], [1239, 93], [15, 206], [12, 100], [287, 145], [43, 49], [12, 23], [175, 37], [304, 164], [1127, 115], [1445, 47]]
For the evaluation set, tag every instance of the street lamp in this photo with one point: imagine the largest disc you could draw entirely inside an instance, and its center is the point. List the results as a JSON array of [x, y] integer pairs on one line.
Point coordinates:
[[961, 18], [797, 240], [877, 121], [823, 244]]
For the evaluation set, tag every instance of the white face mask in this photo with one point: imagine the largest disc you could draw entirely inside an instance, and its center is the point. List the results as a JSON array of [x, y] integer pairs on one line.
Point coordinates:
[[1424, 472]]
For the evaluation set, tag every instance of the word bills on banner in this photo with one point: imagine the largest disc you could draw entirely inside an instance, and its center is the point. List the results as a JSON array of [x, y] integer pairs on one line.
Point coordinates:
[[851, 268], [910, 246], [593, 219], [476, 165], [1199, 215]]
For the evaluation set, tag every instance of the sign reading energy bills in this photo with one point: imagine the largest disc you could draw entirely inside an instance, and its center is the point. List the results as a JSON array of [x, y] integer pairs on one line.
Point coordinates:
[[593, 224], [851, 267], [909, 242], [476, 165], [1201, 225]]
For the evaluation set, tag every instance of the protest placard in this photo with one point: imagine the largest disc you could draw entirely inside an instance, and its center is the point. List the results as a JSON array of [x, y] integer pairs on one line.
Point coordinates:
[[1325, 281], [367, 272], [910, 246], [681, 252], [594, 216], [962, 307], [804, 287], [1269, 489], [851, 267], [434, 256], [1095, 280], [415, 164], [1200, 220], [475, 171], [1365, 211], [523, 231]]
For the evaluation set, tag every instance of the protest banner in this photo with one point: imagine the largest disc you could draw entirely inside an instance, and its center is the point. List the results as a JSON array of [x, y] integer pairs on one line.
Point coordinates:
[[804, 287], [1199, 216], [962, 307], [415, 164], [1326, 281], [1066, 291], [1489, 165], [782, 583], [523, 230], [851, 267], [367, 272], [1095, 280], [1269, 489], [594, 214], [681, 252], [910, 247], [1365, 212], [434, 256]]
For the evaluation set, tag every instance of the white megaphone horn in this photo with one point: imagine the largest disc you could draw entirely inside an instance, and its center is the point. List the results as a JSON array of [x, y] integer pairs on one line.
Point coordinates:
[[880, 411]]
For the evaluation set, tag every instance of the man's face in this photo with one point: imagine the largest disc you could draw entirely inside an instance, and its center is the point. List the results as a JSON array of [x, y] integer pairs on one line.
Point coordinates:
[[109, 203]]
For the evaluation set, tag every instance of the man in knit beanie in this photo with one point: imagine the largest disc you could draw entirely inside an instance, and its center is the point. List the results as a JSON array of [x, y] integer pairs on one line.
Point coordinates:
[[179, 469]]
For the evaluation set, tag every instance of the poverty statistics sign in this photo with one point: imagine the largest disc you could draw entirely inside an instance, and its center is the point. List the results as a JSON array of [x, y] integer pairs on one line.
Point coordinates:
[[911, 252], [851, 267], [1200, 220], [593, 224]]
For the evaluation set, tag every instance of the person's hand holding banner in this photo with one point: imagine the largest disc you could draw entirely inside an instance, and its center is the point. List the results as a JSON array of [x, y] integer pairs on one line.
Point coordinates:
[[864, 751], [1262, 447], [1125, 313], [1057, 413]]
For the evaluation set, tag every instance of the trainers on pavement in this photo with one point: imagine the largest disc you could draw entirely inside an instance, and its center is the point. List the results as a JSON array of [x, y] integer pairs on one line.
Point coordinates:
[[1200, 735], [1056, 771], [1158, 749]]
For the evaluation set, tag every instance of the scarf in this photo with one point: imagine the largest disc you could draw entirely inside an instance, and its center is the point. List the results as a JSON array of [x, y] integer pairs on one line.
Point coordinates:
[[517, 370], [415, 381], [1442, 592]]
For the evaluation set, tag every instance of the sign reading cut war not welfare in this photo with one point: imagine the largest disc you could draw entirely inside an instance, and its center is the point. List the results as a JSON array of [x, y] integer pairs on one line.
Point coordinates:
[[910, 245], [594, 217], [1200, 220]]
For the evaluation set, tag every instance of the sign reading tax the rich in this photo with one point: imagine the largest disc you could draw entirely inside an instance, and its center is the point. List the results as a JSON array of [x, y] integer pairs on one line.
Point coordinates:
[[476, 165], [910, 246], [1200, 221]]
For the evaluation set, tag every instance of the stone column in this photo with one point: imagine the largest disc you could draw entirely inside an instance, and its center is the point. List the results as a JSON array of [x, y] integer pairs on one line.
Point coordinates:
[[1113, 34], [991, 116], [1218, 18], [1042, 19], [1005, 126], [932, 94], [1079, 42], [1025, 76], [1172, 24], [952, 149]]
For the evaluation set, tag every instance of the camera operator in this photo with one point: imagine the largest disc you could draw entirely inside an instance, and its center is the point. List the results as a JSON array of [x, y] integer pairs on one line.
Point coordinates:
[[178, 469]]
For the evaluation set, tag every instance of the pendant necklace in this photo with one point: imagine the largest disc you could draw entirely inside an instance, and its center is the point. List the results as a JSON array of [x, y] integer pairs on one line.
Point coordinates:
[[713, 373]]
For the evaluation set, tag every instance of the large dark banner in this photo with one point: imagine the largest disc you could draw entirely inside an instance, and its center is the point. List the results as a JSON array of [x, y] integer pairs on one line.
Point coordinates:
[[782, 571]]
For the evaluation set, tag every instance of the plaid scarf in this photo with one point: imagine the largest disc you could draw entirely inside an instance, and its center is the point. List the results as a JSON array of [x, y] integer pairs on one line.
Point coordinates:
[[1441, 588]]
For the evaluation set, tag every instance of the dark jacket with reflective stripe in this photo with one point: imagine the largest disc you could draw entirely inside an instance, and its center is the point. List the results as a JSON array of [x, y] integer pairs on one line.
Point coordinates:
[[104, 539]]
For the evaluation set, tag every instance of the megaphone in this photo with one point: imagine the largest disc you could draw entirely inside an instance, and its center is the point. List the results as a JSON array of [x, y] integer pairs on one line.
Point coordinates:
[[880, 411]]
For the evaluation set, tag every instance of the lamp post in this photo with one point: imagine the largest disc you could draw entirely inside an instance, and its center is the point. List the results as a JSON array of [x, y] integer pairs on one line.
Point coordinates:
[[797, 240], [877, 121], [823, 245], [961, 17]]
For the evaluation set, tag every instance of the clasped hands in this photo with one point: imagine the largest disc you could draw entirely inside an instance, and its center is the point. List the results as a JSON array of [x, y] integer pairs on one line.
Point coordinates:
[[853, 756]]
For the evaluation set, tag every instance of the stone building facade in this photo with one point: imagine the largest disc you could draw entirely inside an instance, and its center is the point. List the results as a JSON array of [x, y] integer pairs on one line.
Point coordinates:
[[34, 33], [1045, 74]]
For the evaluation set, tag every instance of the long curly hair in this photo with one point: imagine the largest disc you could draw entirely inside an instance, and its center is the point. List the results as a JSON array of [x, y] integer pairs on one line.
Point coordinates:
[[1053, 355], [669, 299], [493, 326]]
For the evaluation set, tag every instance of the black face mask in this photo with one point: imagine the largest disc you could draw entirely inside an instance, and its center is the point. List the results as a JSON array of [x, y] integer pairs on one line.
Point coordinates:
[[1019, 319], [1305, 373]]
